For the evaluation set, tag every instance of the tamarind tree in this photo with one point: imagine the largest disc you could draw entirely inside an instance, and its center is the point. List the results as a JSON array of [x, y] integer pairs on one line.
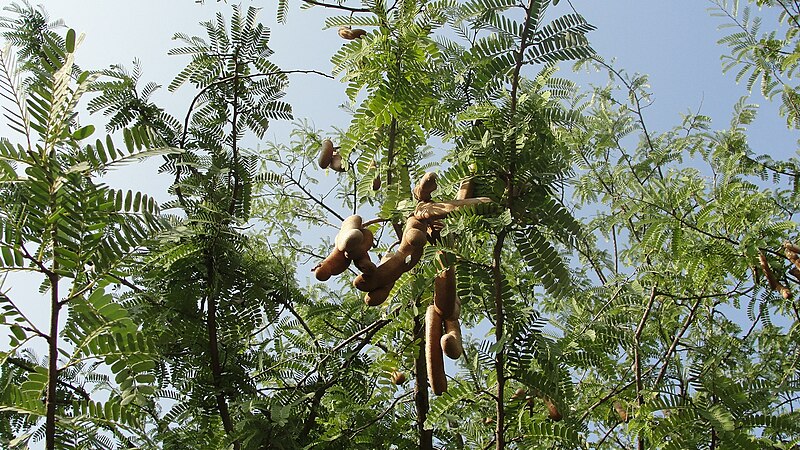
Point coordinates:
[[594, 282]]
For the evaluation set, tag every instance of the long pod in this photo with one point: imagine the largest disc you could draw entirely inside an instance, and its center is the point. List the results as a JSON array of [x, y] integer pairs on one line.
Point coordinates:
[[444, 293], [433, 351]]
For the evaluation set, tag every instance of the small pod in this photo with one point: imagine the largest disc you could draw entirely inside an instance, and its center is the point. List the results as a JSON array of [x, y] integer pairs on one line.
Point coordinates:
[[350, 34], [398, 377], [552, 410], [621, 411], [325, 154], [334, 264], [466, 190], [336, 163], [444, 293], [376, 183], [433, 351], [451, 341], [426, 186]]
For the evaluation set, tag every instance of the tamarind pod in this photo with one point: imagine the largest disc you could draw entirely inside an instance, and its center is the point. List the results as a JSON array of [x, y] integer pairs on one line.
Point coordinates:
[[444, 292], [350, 34], [411, 255], [440, 210], [334, 264], [349, 241], [366, 244], [378, 296], [433, 351], [388, 271], [398, 377], [456, 310], [427, 184], [795, 272], [552, 410], [774, 284], [376, 183], [365, 264], [791, 247], [413, 222], [621, 411], [466, 190], [451, 341], [336, 163], [325, 154], [791, 254], [345, 238], [519, 394], [414, 237]]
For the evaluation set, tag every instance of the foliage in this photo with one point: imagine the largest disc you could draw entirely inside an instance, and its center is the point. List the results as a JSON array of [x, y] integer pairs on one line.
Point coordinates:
[[80, 237], [621, 288]]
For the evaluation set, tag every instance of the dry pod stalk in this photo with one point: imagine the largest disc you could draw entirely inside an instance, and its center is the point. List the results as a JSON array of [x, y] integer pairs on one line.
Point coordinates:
[[433, 351], [792, 253]]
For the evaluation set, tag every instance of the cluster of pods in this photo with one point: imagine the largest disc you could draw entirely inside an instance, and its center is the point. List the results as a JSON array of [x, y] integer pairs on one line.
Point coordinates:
[[352, 245]]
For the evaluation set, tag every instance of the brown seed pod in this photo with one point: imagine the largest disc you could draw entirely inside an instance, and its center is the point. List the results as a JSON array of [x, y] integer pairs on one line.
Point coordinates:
[[792, 253], [621, 411], [791, 247], [349, 241], [336, 163], [414, 237], [398, 377], [334, 264], [426, 186], [391, 267], [413, 222], [376, 183], [444, 292], [519, 394], [367, 240], [552, 410], [771, 279], [466, 190], [451, 341], [433, 351], [350, 34], [440, 210], [325, 154], [378, 296]]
